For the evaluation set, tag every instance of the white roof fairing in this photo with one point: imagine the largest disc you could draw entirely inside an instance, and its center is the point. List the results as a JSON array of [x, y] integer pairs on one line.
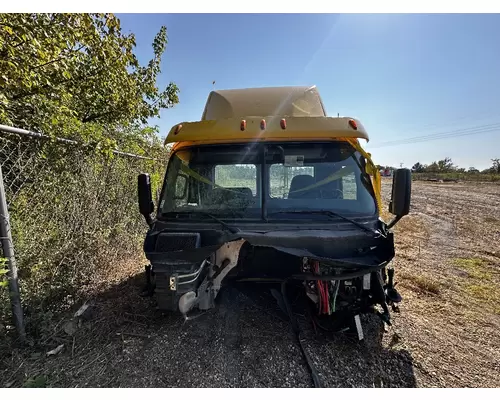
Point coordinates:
[[286, 101]]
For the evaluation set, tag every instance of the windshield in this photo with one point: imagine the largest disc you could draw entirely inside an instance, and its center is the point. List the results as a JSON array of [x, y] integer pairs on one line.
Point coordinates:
[[237, 181]]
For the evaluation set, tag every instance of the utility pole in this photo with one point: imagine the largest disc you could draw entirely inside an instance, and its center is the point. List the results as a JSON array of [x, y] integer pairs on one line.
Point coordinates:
[[8, 252]]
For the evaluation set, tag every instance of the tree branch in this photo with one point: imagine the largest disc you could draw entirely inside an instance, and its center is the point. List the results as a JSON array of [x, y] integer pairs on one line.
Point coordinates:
[[93, 117], [41, 88], [61, 57]]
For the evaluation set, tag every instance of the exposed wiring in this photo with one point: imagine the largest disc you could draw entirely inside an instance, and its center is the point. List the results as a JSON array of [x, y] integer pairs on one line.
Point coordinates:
[[322, 288], [342, 276], [322, 283]]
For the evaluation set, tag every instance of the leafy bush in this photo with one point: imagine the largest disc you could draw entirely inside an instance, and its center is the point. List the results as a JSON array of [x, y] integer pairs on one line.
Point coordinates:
[[73, 208]]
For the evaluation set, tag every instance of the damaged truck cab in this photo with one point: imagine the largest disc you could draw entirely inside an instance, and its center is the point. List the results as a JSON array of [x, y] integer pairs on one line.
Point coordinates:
[[268, 187]]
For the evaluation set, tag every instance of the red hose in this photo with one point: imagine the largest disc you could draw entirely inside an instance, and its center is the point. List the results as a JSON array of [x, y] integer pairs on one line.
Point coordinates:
[[320, 297], [322, 287]]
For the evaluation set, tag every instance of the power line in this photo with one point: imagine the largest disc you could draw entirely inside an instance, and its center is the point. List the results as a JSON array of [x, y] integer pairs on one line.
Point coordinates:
[[493, 125], [442, 135], [451, 122], [448, 136], [445, 133]]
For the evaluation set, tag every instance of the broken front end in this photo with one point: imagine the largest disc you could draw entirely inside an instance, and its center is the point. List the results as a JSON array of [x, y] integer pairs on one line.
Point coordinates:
[[272, 212]]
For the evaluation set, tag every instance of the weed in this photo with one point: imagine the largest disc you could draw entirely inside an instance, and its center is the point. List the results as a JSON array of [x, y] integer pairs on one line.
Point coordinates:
[[475, 267], [422, 282], [487, 292]]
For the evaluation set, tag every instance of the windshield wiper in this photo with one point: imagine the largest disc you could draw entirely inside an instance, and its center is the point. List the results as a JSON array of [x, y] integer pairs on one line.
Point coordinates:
[[331, 214], [194, 213]]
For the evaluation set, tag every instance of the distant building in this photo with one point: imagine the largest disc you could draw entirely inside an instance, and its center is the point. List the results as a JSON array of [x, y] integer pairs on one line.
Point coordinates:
[[385, 172]]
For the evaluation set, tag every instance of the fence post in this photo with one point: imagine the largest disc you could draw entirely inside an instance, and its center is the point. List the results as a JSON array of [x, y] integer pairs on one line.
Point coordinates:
[[8, 251]]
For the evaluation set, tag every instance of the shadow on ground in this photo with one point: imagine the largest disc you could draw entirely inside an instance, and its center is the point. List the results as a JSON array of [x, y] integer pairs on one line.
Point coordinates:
[[245, 342]]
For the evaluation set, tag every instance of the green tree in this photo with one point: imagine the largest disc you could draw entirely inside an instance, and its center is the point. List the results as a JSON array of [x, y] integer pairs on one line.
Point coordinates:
[[76, 75], [445, 165], [418, 167], [496, 165]]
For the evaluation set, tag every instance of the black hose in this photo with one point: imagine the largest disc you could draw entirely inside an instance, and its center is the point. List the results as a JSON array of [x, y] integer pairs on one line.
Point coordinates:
[[296, 329]]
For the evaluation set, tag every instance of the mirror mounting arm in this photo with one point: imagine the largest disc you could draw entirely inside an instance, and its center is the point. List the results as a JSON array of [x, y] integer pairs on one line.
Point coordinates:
[[394, 221], [149, 220]]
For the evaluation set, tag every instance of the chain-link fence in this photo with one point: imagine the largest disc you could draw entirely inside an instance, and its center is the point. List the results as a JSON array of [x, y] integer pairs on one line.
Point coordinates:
[[73, 212]]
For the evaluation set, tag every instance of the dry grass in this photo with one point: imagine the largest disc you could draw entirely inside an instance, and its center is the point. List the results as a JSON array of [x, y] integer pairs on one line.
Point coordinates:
[[420, 282], [461, 176], [486, 292], [413, 225], [447, 333], [480, 282], [450, 283], [475, 268]]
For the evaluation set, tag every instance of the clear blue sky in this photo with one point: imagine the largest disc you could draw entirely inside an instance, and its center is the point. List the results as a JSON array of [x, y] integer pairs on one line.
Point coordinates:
[[401, 75]]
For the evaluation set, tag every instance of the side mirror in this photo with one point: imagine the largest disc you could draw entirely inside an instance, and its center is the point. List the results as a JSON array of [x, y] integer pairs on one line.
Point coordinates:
[[146, 205], [401, 194]]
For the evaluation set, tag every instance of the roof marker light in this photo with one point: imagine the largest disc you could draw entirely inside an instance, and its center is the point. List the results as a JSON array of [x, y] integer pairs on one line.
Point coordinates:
[[177, 129], [243, 125], [283, 123], [263, 124], [353, 124]]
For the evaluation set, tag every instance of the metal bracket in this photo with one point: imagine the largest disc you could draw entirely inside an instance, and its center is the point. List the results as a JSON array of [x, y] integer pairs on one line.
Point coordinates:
[[173, 282], [228, 254], [359, 327], [205, 298], [227, 258]]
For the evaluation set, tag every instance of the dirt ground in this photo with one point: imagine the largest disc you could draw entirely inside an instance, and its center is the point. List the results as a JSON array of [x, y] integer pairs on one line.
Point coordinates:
[[446, 335]]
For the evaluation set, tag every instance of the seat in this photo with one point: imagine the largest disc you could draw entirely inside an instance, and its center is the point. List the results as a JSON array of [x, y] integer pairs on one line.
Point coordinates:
[[300, 182]]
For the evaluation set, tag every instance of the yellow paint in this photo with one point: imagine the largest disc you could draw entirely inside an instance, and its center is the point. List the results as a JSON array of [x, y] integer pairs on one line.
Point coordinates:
[[225, 128], [297, 128]]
